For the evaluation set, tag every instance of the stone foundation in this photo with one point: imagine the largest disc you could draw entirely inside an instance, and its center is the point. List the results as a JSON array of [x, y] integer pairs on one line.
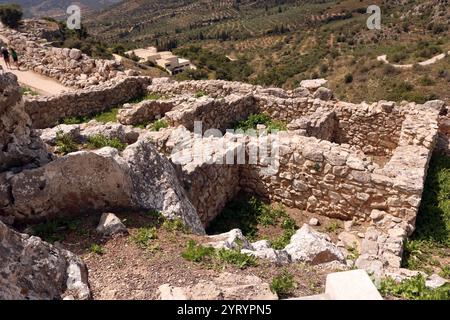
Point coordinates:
[[49, 111]]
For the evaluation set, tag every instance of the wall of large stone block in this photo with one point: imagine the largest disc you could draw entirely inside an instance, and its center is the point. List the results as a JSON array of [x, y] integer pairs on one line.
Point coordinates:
[[49, 111], [209, 188], [330, 180]]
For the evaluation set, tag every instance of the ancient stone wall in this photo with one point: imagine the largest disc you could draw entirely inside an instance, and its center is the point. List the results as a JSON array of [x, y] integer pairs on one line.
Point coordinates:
[[373, 128], [69, 66], [49, 111], [220, 114], [19, 144]]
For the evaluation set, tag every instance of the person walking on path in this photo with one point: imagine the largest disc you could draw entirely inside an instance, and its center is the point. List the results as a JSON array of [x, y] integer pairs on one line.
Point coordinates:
[[15, 58], [5, 55]]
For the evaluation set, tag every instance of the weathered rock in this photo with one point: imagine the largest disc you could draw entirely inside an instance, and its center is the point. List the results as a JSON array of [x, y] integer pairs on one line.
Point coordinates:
[[313, 84], [313, 247], [323, 94], [260, 245], [314, 222], [33, 269], [110, 225], [233, 239], [279, 257], [349, 240], [102, 180], [225, 287], [49, 136], [19, 144]]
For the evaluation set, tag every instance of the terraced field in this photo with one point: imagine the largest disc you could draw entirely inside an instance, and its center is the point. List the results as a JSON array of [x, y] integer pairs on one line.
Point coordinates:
[[281, 42]]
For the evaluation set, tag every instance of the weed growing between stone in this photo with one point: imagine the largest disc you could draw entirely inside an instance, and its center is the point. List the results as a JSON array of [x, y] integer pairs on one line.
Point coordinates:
[[65, 143], [260, 119], [413, 289], [99, 141], [211, 257], [97, 249], [283, 284]]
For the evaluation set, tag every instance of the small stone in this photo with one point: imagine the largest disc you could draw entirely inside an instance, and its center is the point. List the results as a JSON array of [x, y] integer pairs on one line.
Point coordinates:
[[348, 225], [435, 281], [314, 222], [110, 225], [377, 215]]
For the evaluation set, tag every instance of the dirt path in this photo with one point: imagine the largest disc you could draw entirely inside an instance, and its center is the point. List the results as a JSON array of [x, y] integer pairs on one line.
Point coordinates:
[[383, 58], [39, 83]]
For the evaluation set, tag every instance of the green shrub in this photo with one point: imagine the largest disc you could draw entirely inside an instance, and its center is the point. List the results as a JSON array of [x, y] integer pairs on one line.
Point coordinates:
[[333, 226], [256, 119], [200, 94], [236, 258], [413, 289], [144, 236], [65, 143], [107, 116], [10, 15], [55, 229], [289, 228], [97, 249], [283, 284], [99, 141], [175, 225], [159, 124], [432, 232], [348, 78], [28, 91], [74, 120], [197, 253], [426, 81]]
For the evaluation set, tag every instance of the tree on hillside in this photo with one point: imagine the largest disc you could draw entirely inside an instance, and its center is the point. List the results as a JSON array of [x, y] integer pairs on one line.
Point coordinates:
[[10, 15]]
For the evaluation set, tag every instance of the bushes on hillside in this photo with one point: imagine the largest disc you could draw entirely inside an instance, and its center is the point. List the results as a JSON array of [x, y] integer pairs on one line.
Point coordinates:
[[10, 15]]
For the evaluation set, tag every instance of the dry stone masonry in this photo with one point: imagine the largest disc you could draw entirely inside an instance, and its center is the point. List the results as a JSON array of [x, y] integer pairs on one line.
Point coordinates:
[[69, 66], [362, 163], [49, 111]]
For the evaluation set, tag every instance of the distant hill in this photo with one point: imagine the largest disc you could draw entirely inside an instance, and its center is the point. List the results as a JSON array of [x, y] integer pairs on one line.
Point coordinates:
[[57, 8]]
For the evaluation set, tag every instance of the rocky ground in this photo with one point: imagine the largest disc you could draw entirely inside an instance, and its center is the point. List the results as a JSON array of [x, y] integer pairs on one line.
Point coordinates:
[[122, 267]]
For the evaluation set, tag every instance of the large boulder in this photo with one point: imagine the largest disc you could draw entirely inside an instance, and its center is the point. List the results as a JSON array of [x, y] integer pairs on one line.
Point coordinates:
[[33, 269], [102, 180], [313, 247], [227, 286]]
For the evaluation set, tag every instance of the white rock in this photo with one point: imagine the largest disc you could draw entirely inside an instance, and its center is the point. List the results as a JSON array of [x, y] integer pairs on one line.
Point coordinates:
[[110, 225], [279, 257], [261, 245], [233, 239], [314, 222], [434, 281], [313, 247]]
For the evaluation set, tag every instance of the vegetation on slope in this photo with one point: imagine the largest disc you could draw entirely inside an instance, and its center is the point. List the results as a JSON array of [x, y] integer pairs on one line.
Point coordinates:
[[429, 248]]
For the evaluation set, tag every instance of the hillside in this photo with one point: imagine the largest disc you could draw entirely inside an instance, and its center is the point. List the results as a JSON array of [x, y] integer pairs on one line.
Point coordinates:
[[283, 42], [57, 8]]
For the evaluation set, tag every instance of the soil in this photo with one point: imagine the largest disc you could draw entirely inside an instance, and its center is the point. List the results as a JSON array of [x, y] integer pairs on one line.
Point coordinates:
[[124, 270]]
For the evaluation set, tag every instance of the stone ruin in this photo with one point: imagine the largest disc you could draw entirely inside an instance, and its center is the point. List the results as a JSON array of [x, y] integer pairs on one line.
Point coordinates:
[[361, 163], [69, 66], [355, 162]]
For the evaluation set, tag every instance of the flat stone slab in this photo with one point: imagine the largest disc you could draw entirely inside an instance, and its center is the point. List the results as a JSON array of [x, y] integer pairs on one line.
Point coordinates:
[[351, 285]]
